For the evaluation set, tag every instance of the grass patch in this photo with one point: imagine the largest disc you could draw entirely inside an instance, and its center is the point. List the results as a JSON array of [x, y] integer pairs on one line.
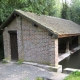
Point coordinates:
[[26, 79], [20, 62], [39, 78], [4, 61], [73, 76]]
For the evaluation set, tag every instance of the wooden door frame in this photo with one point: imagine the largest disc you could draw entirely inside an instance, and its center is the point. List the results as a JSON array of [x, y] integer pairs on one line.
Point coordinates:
[[13, 31]]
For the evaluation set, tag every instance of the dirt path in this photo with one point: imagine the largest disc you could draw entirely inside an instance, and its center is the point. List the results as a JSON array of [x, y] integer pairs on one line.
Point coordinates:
[[12, 71]]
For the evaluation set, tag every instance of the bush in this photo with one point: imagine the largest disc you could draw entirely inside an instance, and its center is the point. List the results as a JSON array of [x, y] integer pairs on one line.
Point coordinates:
[[73, 76], [39, 78], [20, 62]]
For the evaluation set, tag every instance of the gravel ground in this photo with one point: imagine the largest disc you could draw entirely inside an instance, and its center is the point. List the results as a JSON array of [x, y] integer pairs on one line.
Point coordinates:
[[10, 71]]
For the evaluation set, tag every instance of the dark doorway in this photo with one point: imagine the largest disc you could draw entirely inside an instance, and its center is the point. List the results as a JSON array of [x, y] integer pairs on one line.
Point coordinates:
[[73, 43], [62, 44], [1, 47], [14, 47]]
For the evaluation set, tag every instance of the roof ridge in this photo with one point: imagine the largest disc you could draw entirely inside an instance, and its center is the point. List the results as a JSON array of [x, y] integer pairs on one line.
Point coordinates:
[[18, 10]]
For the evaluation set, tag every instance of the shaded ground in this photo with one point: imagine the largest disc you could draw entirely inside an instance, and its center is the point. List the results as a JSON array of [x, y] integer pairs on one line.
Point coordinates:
[[12, 71]]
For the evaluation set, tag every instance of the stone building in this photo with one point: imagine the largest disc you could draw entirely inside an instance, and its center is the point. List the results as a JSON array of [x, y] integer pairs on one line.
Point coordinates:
[[38, 38]]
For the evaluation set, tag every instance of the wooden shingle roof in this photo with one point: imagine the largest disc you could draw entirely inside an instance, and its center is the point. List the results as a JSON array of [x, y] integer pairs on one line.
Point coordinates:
[[58, 26]]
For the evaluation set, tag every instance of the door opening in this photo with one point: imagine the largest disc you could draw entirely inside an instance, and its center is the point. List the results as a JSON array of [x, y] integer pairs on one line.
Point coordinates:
[[14, 47]]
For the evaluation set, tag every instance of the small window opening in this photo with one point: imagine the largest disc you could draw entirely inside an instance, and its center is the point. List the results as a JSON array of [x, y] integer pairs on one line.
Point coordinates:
[[35, 25], [50, 34]]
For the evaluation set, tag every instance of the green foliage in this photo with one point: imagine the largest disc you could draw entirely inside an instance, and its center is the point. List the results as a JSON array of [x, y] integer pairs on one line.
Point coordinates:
[[74, 11], [71, 12], [20, 62], [26, 79], [39, 78], [47, 7], [7, 6], [64, 12], [58, 8], [36, 6], [73, 76], [4, 61]]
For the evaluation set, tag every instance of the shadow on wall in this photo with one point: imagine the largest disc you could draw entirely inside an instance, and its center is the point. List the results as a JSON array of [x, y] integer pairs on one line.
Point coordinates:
[[73, 43], [1, 47]]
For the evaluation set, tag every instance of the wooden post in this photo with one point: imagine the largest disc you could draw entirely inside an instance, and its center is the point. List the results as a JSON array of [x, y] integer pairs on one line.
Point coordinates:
[[67, 47], [56, 52]]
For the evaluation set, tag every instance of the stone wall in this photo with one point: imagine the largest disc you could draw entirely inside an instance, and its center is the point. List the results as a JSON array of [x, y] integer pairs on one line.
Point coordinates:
[[34, 43], [15, 25]]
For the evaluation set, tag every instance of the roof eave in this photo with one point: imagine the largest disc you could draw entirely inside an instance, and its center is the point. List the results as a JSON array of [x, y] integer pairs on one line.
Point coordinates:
[[68, 35]]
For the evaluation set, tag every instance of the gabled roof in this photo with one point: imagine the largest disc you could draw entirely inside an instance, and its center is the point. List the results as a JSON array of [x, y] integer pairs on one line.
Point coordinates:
[[57, 26]]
